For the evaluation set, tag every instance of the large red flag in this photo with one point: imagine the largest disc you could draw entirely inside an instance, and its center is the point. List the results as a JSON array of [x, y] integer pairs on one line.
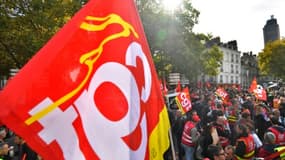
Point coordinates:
[[92, 91]]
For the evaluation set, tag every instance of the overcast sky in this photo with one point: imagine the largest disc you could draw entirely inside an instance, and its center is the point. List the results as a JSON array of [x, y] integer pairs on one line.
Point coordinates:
[[241, 20]]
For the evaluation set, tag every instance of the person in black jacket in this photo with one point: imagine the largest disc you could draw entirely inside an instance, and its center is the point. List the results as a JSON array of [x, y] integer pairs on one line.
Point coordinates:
[[25, 152], [261, 122]]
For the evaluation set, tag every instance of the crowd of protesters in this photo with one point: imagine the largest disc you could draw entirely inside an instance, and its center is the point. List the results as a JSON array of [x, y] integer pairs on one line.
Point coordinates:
[[241, 127], [13, 147]]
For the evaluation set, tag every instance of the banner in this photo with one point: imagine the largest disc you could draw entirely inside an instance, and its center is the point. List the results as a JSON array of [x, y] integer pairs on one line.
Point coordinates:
[[92, 91], [183, 101], [220, 92], [258, 91]]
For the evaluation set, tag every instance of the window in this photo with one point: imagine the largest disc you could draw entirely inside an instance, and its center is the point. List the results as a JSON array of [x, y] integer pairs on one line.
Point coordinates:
[[232, 57], [221, 78], [237, 79], [232, 79], [237, 58], [237, 71], [232, 68]]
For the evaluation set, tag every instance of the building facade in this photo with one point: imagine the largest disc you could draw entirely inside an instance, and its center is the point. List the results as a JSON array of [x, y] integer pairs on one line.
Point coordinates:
[[249, 69], [271, 30], [230, 69]]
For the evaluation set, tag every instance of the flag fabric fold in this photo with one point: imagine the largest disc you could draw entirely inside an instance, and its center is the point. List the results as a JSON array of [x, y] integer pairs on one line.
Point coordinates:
[[92, 91]]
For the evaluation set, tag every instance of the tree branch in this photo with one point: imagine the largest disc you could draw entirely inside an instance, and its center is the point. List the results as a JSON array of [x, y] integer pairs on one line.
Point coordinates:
[[11, 54]]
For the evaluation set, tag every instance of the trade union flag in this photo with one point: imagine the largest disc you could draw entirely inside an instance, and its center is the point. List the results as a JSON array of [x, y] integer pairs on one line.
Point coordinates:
[[92, 91], [183, 101]]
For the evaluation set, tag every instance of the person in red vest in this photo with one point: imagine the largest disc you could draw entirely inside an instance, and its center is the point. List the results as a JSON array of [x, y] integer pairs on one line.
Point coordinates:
[[190, 135], [277, 130], [245, 147], [268, 145]]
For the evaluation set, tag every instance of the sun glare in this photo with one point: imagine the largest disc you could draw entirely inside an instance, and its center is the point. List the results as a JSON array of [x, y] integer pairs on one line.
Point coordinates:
[[171, 5]]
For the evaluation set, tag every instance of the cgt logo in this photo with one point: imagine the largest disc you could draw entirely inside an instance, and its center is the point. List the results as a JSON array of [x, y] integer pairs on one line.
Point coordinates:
[[94, 121], [85, 107]]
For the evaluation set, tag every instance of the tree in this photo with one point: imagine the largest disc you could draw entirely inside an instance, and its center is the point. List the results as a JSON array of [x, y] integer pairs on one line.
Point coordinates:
[[212, 60], [26, 26], [271, 60], [171, 38]]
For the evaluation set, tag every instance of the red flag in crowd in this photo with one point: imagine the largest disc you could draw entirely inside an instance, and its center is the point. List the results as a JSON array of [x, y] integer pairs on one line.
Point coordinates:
[[92, 91], [163, 87], [178, 87], [165, 90], [183, 101], [220, 92], [253, 85], [260, 93]]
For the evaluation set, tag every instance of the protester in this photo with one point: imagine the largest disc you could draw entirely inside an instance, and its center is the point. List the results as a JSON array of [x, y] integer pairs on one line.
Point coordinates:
[[277, 130], [25, 152], [190, 135], [216, 152], [4, 150], [223, 132], [177, 130], [6, 140], [261, 121], [281, 120], [229, 152], [268, 145], [245, 147]]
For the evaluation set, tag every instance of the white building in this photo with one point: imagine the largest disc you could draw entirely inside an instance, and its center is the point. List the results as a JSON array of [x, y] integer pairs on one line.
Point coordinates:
[[230, 70]]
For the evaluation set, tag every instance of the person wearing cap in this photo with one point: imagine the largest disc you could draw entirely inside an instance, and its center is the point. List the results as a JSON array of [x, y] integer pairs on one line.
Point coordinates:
[[190, 135]]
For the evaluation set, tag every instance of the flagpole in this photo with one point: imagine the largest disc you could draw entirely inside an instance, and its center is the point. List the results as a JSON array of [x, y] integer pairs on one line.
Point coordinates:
[[172, 145]]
